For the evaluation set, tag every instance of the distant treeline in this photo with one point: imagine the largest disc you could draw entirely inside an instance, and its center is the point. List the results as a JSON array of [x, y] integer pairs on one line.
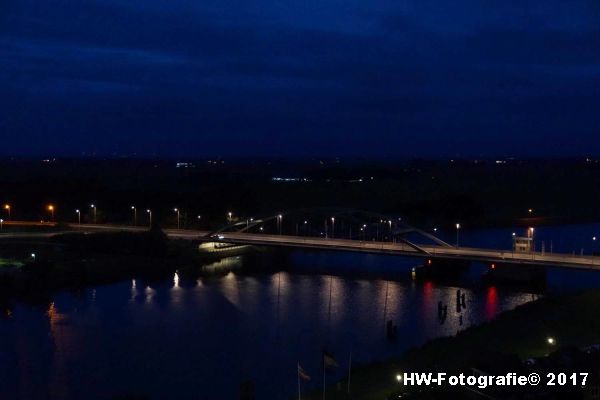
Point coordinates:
[[425, 193]]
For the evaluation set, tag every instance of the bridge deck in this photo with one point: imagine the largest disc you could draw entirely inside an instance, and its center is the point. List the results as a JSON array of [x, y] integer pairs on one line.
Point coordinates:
[[400, 249]]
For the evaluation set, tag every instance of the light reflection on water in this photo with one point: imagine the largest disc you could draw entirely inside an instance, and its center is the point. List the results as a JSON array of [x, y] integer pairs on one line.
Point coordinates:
[[200, 339], [172, 340]]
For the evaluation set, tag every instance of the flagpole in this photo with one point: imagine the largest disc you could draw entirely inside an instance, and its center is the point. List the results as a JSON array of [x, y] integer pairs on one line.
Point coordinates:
[[279, 324], [349, 369], [323, 377]]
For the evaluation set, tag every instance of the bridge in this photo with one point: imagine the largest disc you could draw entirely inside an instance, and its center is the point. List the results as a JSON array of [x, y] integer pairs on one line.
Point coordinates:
[[394, 239], [490, 256]]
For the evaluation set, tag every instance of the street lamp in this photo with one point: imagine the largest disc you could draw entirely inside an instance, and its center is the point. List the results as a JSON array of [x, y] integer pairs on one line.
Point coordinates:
[[93, 207], [279, 222], [1, 224], [78, 216], [229, 215], [514, 242], [150, 215], [51, 209], [457, 229], [177, 211], [134, 215], [7, 208], [332, 227]]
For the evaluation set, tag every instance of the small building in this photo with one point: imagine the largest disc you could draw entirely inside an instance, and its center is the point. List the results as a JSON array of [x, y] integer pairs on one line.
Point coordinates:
[[522, 244]]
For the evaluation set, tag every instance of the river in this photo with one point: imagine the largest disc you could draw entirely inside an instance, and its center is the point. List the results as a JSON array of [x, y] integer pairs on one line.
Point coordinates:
[[200, 338]]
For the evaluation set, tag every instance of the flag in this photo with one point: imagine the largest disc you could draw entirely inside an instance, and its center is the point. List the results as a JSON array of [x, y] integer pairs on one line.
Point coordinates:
[[328, 360], [302, 374]]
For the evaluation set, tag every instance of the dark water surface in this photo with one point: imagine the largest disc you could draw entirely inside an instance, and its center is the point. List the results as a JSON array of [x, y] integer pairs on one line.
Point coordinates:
[[199, 339]]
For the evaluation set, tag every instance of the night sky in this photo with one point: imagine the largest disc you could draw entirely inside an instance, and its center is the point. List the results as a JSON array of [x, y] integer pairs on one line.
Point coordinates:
[[401, 78]]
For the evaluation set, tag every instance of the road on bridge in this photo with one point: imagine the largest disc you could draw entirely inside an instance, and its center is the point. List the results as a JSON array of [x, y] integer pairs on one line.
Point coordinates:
[[400, 248]]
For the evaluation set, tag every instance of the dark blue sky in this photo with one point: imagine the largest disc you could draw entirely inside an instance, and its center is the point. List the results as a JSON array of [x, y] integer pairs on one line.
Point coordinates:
[[335, 77]]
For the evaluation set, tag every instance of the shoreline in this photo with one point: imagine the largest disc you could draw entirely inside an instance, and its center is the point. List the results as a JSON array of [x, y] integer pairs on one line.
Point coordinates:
[[570, 320]]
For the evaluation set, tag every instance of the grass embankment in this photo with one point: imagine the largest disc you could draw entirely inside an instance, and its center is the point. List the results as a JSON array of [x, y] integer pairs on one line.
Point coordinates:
[[572, 320], [9, 263]]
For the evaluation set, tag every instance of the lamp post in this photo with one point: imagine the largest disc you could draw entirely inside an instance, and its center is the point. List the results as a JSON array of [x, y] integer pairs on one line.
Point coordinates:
[[51, 209], [457, 229], [514, 240], [7, 208], [177, 211], [332, 227], [1, 224], [279, 222], [229, 216], [150, 217], [530, 232], [93, 207], [134, 215], [78, 216]]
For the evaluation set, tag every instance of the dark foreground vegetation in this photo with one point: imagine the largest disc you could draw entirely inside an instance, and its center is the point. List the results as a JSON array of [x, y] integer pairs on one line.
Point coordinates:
[[516, 341]]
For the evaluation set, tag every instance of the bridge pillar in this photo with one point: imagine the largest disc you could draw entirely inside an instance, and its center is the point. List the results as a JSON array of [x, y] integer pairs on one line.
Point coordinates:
[[515, 273], [436, 267]]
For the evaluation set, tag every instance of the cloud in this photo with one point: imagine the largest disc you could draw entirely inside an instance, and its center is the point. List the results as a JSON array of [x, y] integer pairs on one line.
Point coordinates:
[[302, 75]]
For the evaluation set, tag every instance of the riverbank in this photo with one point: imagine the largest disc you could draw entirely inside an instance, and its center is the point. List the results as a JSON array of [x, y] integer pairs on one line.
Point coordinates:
[[550, 325], [34, 270]]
